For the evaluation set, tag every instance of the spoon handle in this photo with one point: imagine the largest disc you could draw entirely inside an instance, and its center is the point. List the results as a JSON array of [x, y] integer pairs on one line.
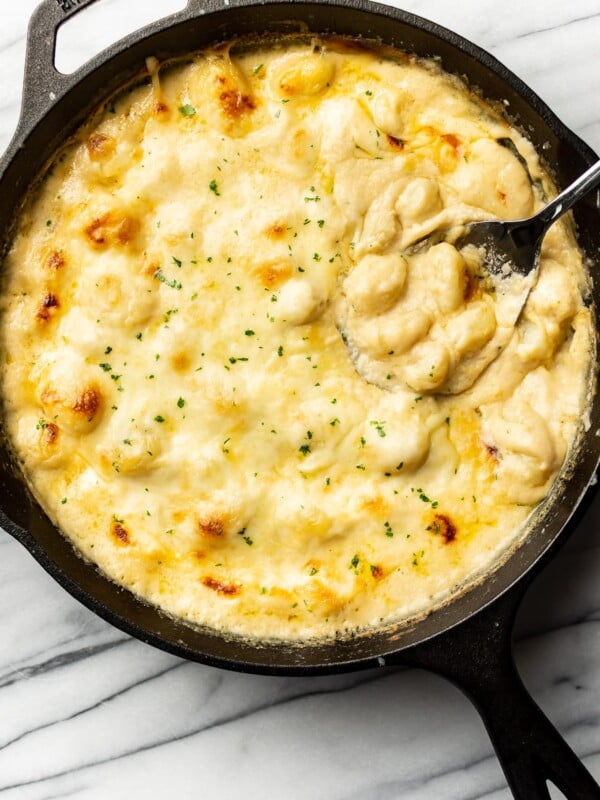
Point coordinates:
[[566, 199]]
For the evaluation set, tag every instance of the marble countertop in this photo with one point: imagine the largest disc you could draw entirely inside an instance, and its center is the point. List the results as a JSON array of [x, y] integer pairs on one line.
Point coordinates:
[[87, 712]]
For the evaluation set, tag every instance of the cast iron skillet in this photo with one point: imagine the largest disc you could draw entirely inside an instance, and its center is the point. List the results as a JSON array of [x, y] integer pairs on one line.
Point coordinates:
[[469, 640]]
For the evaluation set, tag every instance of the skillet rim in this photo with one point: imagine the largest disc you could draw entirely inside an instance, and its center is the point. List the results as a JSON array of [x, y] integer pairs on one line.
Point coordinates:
[[104, 597]]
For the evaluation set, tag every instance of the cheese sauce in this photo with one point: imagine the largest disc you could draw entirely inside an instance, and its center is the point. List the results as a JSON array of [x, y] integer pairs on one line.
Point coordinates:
[[188, 298]]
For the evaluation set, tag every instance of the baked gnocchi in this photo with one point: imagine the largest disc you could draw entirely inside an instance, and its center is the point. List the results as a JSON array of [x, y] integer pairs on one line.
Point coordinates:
[[226, 351]]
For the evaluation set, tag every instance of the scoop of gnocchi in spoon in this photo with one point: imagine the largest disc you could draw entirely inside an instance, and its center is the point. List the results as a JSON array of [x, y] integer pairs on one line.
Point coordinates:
[[481, 276]]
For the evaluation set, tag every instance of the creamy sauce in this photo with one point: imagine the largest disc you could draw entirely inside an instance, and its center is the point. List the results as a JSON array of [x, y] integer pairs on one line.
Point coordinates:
[[176, 381]]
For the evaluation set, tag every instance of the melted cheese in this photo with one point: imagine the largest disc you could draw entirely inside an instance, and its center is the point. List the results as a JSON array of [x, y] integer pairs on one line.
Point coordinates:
[[182, 301]]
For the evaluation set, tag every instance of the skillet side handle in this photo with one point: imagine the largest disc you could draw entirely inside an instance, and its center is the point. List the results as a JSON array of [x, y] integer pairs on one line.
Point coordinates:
[[477, 657], [42, 82]]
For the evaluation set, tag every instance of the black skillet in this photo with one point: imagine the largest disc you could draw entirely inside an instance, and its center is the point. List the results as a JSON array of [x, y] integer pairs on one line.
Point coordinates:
[[470, 640]]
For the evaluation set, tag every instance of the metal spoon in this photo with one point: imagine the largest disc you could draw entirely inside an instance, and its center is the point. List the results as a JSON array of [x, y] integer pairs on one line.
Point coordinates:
[[518, 243]]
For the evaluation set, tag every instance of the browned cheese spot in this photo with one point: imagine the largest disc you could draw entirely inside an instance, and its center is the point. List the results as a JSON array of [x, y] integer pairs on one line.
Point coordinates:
[[126, 229], [47, 307], [50, 396], [100, 146], [112, 229], [276, 231], [377, 571], [453, 141], [180, 362], [501, 195], [150, 269], [212, 527], [161, 108], [120, 532], [97, 231], [234, 104], [397, 144], [88, 402], [273, 275], [444, 527], [492, 451], [222, 588], [56, 260], [49, 435]]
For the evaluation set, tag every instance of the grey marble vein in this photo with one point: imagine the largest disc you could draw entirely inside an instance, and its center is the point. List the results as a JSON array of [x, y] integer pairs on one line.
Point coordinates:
[[560, 26], [157, 743], [63, 659], [86, 710]]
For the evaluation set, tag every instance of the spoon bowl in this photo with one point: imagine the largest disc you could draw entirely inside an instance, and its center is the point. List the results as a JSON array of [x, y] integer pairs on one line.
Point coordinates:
[[513, 247]]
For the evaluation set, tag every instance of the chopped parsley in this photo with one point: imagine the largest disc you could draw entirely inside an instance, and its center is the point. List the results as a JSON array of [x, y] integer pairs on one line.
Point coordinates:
[[246, 538], [214, 187], [379, 428], [187, 110], [174, 284]]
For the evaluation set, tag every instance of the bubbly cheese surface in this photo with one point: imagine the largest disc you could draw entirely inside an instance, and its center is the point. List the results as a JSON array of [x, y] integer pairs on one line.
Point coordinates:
[[225, 371]]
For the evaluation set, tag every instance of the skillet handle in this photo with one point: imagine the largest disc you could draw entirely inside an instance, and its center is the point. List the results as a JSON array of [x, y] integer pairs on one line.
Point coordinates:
[[42, 82], [477, 657]]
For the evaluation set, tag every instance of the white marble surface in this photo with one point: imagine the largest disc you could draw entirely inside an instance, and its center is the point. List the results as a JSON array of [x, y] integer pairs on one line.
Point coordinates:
[[87, 712]]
